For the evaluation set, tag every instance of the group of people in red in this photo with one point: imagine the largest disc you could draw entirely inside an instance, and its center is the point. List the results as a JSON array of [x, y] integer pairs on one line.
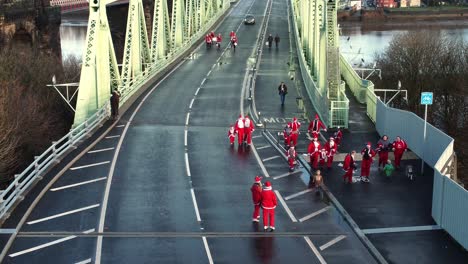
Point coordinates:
[[384, 146], [211, 39], [264, 197], [243, 128]]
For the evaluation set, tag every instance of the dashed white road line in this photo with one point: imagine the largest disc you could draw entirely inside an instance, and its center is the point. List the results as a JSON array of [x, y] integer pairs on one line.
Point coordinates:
[[264, 147], [208, 73], [297, 194], [115, 136], [19, 253], [99, 150], [120, 126], [187, 165], [203, 81], [187, 119], [90, 165], [62, 214], [332, 242], [314, 249], [257, 136], [86, 261], [185, 137], [77, 184], [271, 158], [307, 217], [194, 199], [280, 198], [207, 249], [196, 92], [286, 174], [191, 103]]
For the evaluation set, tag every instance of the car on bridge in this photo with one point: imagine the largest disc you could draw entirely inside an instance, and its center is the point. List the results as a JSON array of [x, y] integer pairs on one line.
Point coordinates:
[[249, 20]]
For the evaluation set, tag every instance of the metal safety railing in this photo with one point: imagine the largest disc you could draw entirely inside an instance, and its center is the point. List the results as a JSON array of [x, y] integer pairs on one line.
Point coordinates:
[[16, 190]]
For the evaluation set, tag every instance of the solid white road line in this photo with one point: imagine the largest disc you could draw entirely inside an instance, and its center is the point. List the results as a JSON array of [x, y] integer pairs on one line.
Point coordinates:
[[86, 261], [120, 126], [207, 249], [116, 136], [187, 165], [307, 217], [198, 90], [191, 103], [99, 150], [314, 249], [47, 244], [280, 198], [7, 230], [194, 199], [297, 194], [332, 242], [257, 136], [264, 147], [400, 229], [90, 165], [259, 161], [185, 137], [62, 214], [187, 119], [77, 184], [270, 158], [286, 174]]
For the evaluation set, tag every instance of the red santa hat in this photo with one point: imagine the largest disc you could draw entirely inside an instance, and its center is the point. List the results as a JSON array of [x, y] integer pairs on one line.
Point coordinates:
[[315, 138], [240, 116], [294, 119], [331, 138], [267, 185], [258, 179], [316, 116], [369, 144], [246, 116]]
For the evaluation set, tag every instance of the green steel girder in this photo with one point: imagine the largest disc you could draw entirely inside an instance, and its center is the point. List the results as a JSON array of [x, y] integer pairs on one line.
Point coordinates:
[[333, 53], [99, 71], [136, 53], [177, 24], [190, 18], [161, 37]]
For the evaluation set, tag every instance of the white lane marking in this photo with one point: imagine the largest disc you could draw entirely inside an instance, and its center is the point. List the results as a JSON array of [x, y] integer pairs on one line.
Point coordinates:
[[314, 249], [191, 103], [90, 165], [208, 74], [307, 217], [105, 199], [187, 119], [99, 150], [194, 199], [116, 136], [280, 198], [187, 165], [7, 230], [400, 229], [62, 214], [332, 242], [185, 137], [270, 158], [196, 93], [257, 136], [207, 249], [19, 253], [120, 126], [214, 65], [264, 147], [286, 174], [259, 161], [77, 184], [86, 261], [203, 82], [297, 194]]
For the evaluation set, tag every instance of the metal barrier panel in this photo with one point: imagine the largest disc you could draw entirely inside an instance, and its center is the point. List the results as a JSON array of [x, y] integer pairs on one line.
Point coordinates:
[[371, 104], [357, 85], [455, 211], [437, 196]]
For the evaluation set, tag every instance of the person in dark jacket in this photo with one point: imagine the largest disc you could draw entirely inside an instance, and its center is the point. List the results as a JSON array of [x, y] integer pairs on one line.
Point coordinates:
[[115, 100], [277, 40], [270, 41], [282, 91]]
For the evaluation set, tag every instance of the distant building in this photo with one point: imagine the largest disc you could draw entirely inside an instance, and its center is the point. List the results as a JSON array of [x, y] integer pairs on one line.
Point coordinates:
[[355, 5], [410, 3], [387, 3]]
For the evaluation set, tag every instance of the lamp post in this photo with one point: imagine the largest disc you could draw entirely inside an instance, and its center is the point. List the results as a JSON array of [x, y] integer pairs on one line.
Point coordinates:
[[426, 99]]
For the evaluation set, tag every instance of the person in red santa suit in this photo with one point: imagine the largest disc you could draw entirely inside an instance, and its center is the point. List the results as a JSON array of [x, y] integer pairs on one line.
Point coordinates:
[[232, 34], [338, 135], [295, 125], [268, 205], [383, 146], [256, 190], [349, 166], [330, 148], [208, 40], [315, 126], [291, 154], [232, 135], [212, 34], [314, 151], [249, 127], [367, 157], [399, 147], [218, 40], [240, 130]]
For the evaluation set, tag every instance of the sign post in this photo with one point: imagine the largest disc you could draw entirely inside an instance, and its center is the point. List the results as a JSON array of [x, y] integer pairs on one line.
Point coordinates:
[[426, 99]]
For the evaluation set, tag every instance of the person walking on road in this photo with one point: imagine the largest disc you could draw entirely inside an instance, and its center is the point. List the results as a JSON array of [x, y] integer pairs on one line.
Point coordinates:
[[256, 190], [269, 203], [240, 130], [399, 147], [349, 166], [295, 125], [367, 157], [315, 126], [282, 91], [318, 182], [338, 135], [389, 169], [383, 146], [232, 135], [291, 154], [277, 40], [249, 127], [114, 102], [270, 41], [314, 151], [330, 149], [287, 132]]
